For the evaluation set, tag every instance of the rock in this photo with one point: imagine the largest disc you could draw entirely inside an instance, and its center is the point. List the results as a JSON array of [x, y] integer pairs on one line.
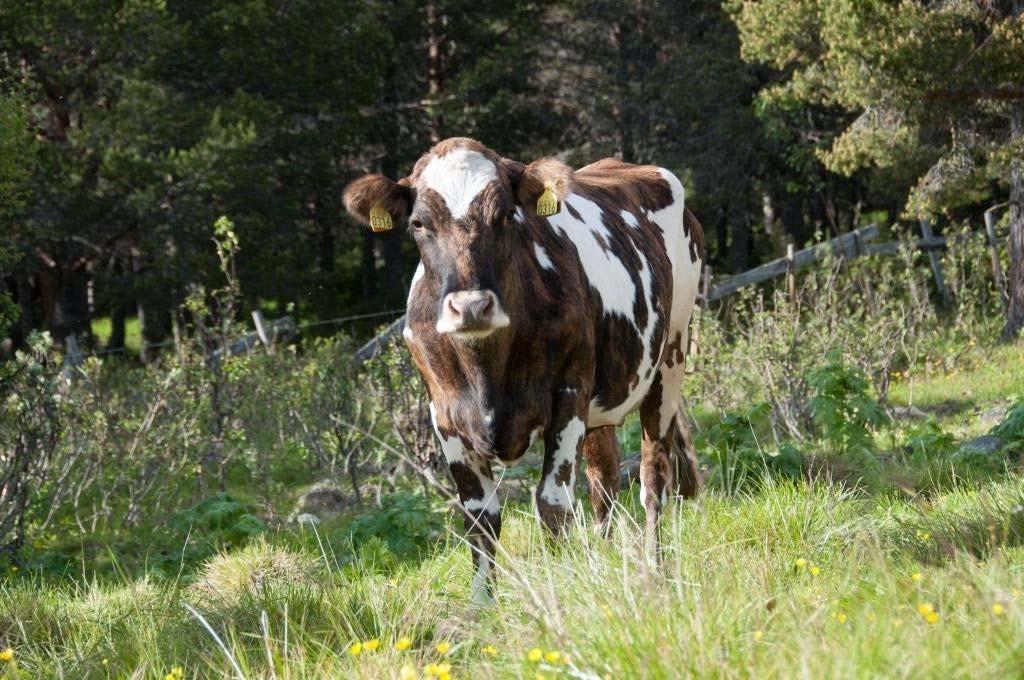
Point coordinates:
[[985, 444], [989, 418], [908, 413], [307, 518], [324, 499]]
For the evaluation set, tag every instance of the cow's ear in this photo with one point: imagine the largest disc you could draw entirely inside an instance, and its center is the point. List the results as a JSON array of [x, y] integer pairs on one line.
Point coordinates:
[[534, 179], [378, 201]]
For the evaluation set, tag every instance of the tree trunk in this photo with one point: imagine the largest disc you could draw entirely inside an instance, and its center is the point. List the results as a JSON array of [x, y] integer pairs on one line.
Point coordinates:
[[1015, 310], [434, 73], [118, 315]]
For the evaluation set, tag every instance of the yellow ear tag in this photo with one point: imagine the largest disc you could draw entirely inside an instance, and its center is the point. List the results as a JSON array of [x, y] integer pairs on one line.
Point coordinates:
[[547, 204], [380, 219]]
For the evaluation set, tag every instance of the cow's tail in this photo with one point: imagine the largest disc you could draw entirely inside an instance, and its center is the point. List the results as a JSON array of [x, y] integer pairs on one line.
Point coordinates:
[[683, 456]]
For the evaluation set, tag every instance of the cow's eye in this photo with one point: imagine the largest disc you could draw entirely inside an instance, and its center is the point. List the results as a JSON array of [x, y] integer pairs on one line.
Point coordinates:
[[510, 216], [417, 224]]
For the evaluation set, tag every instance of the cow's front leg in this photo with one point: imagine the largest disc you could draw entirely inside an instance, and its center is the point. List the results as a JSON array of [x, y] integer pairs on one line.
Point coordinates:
[[478, 495], [562, 440]]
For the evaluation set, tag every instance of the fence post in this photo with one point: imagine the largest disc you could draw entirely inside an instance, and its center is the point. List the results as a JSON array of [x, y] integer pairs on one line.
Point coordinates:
[[791, 272], [993, 250], [933, 258], [693, 347]]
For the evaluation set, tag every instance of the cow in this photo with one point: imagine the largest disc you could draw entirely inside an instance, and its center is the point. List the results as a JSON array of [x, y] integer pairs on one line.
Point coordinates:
[[528, 325]]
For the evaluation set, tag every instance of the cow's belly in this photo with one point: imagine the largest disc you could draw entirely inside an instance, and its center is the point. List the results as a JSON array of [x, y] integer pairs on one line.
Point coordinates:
[[601, 413]]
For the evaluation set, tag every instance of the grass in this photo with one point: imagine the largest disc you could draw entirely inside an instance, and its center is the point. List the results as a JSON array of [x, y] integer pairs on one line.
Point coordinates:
[[809, 580], [784, 579], [132, 333]]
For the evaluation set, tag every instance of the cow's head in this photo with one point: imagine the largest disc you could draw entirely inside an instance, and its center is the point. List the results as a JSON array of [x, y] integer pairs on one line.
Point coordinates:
[[461, 203]]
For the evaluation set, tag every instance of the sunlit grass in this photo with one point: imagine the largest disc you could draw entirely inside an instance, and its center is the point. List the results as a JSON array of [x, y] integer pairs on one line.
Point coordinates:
[[792, 580], [132, 333]]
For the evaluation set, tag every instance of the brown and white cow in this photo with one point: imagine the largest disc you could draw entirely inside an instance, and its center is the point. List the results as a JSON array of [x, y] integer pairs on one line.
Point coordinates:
[[528, 327]]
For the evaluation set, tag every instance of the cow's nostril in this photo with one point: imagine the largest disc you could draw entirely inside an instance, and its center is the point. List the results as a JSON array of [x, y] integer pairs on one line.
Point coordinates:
[[452, 308], [488, 306]]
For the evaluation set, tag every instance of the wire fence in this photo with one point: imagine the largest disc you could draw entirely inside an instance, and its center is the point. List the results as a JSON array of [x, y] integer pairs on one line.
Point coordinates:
[[337, 321]]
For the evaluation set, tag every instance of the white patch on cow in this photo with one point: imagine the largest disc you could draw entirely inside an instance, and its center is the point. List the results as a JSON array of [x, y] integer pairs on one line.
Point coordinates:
[[567, 445], [452, 447], [520, 217], [458, 177], [629, 218], [542, 256], [420, 271], [685, 281], [605, 272], [478, 586]]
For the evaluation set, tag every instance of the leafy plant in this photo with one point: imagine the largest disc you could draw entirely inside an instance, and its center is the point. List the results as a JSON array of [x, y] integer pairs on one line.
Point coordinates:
[[738, 447], [405, 522], [844, 412], [1011, 429]]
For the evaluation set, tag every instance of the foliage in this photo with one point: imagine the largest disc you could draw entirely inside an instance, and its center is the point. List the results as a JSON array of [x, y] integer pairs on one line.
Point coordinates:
[[845, 414], [1011, 430], [405, 523], [737, 448]]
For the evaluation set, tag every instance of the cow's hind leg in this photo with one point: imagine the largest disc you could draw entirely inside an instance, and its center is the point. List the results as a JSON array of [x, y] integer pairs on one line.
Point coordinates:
[[601, 451], [668, 464]]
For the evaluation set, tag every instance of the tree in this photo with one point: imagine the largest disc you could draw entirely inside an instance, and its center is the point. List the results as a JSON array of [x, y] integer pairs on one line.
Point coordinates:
[[937, 89]]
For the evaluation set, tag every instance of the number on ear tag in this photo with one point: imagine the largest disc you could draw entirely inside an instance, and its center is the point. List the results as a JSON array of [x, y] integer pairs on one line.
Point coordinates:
[[547, 204], [380, 219]]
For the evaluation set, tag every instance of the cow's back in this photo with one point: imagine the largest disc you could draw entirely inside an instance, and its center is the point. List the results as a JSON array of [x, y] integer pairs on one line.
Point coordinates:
[[641, 263]]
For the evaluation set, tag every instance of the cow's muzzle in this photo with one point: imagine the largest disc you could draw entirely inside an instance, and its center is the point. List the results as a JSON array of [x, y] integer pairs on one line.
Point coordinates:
[[471, 314]]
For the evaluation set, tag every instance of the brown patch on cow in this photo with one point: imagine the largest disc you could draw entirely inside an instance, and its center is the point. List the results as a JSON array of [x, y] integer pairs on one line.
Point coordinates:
[[620, 351], [466, 481], [369, 191], [674, 352], [696, 234]]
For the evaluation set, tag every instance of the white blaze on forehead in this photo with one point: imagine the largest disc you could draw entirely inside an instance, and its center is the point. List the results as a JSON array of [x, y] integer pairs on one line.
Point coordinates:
[[458, 176], [542, 256]]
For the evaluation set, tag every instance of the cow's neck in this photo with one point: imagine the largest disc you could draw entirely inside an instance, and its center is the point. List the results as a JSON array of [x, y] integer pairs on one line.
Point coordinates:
[[485, 366]]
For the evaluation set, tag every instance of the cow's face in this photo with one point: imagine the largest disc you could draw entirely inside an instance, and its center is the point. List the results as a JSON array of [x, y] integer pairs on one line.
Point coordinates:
[[459, 205]]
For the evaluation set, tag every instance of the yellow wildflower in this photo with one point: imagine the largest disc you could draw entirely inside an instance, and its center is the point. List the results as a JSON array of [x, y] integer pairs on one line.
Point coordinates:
[[800, 563], [444, 676], [105, 661], [490, 650], [431, 669], [814, 569], [371, 645], [758, 634], [443, 647], [403, 643], [997, 609], [928, 612], [7, 654], [356, 649], [407, 672], [916, 576], [553, 657], [443, 668], [535, 654], [841, 617]]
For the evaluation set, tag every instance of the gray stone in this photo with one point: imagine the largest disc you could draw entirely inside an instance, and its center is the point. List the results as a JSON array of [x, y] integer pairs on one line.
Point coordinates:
[[323, 499], [984, 444]]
